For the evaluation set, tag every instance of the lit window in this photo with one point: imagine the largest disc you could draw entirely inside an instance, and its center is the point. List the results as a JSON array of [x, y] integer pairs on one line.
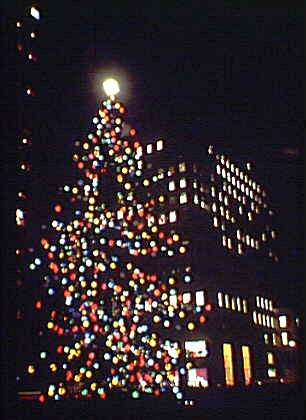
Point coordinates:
[[285, 338], [270, 358], [227, 301], [262, 303], [187, 297], [21, 195], [25, 166], [173, 300], [196, 199], [239, 306], [171, 186], [272, 373], [245, 306], [224, 240], [240, 249], [266, 338], [171, 171], [159, 145], [196, 349], [197, 378], [233, 304], [161, 174], [228, 364], [20, 219], [162, 219], [149, 149], [183, 183], [270, 305], [282, 321], [172, 216], [275, 339], [216, 223], [35, 13], [139, 151], [247, 369], [183, 198], [220, 299], [200, 298], [255, 317], [148, 306], [259, 318], [268, 321], [182, 167]]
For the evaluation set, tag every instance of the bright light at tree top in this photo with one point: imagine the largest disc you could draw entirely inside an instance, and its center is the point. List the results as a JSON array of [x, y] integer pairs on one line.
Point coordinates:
[[111, 87]]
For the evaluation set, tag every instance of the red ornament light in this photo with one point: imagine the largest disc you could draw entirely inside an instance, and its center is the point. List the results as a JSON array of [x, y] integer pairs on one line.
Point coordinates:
[[58, 208], [41, 398], [38, 304]]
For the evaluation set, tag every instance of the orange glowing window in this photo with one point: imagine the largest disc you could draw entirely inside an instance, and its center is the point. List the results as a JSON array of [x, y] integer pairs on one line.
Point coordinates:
[[228, 364], [247, 368]]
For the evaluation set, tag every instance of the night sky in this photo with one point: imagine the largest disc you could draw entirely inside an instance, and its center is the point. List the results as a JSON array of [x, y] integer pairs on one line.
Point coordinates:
[[231, 77]]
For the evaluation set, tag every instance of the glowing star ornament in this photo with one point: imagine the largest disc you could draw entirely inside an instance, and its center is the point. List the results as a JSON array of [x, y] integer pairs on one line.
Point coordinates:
[[111, 87]]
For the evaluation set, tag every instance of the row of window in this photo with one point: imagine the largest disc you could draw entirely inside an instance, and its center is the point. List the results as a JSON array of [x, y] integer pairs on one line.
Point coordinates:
[[199, 298], [182, 183], [150, 148], [264, 320], [264, 303], [232, 191], [198, 377], [229, 364], [162, 219], [234, 174], [232, 302]]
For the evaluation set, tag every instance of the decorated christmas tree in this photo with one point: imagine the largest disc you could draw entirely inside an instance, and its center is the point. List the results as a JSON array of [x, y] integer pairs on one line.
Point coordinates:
[[113, 306]]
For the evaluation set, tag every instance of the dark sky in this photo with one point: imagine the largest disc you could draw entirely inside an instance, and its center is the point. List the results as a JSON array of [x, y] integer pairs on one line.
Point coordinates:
[[192, 75]]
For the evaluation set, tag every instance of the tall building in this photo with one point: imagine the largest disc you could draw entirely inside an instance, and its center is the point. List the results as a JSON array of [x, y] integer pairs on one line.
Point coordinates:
[[156, 276], [26, 161]]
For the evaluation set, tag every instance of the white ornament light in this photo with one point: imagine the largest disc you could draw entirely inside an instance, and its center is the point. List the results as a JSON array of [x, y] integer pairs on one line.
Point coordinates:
[[111, 87]]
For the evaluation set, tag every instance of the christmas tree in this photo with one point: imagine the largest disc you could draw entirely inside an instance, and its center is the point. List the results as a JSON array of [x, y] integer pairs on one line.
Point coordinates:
[[114, 305]]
